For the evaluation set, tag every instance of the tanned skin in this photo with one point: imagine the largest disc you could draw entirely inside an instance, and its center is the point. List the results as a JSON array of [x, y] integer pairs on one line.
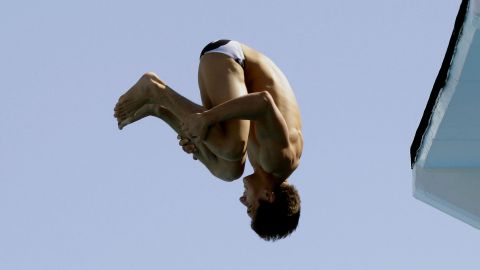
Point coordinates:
[[250, 111]]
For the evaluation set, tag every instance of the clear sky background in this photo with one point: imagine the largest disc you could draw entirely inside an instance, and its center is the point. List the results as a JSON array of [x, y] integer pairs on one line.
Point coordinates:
[[77, 193]]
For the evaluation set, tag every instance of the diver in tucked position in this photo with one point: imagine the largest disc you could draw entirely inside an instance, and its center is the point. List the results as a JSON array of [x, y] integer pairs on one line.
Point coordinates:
[[248, 108]]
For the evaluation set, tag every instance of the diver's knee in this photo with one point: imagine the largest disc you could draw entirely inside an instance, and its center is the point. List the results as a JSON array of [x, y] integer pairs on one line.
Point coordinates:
[[231, 173]]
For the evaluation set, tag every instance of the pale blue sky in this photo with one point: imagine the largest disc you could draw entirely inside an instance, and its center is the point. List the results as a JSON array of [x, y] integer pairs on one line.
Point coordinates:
[[76, 193]]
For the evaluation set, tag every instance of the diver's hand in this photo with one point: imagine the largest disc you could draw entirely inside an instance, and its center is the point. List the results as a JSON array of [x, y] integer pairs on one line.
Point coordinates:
[[195, 127], [187, 146]]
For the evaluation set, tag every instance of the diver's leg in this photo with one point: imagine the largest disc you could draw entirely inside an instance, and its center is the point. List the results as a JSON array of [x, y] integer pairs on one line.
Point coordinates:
[[130, 109], [220, 79]]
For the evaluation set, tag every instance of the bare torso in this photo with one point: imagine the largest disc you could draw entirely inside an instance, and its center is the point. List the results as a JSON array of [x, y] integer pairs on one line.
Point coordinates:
[[259, 92], [261, 74]]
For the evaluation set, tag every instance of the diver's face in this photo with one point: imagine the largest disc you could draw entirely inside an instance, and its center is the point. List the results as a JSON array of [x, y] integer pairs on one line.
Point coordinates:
[[253, 192]]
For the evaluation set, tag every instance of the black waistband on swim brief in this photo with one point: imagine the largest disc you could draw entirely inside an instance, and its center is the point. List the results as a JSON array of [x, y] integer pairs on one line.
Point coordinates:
[[233, 50], [213, 45]]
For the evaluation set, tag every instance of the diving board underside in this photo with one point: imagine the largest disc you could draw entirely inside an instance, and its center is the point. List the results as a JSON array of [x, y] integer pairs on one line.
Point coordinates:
[[446, 166]]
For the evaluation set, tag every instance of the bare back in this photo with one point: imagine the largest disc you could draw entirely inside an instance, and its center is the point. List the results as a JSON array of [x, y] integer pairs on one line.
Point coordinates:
[[261, 74]]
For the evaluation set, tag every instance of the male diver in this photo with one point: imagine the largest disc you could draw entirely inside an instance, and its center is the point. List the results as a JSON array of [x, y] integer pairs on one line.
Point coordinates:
[[249, 108]]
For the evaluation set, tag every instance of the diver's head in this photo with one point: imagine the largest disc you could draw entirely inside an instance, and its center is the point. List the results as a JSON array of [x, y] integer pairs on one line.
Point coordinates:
[[274, 208]]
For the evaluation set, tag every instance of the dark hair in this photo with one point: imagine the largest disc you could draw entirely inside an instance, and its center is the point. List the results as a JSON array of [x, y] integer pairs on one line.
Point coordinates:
[[273, 221]]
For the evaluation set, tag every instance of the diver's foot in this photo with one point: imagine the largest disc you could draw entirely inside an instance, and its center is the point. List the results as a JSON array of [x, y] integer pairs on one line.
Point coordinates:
[[142, 112], [134, 100]]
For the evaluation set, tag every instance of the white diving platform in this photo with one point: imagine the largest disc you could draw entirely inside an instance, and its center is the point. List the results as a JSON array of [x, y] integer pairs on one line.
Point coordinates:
[[445, 152]]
